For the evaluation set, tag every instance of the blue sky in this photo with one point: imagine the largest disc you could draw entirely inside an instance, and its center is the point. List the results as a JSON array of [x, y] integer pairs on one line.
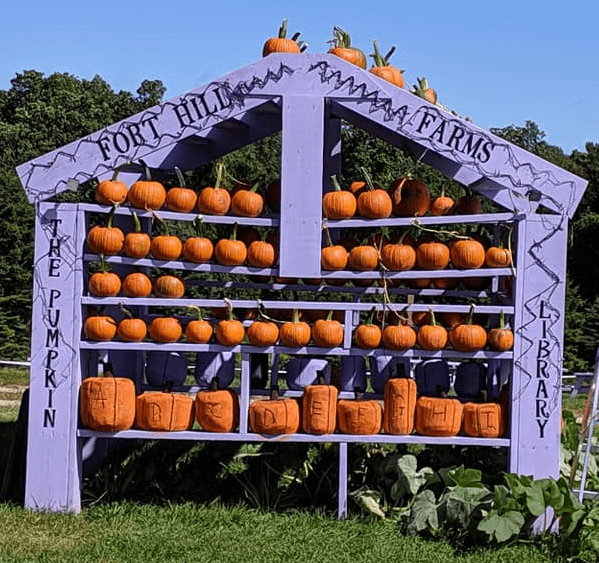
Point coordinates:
[[499, 63]]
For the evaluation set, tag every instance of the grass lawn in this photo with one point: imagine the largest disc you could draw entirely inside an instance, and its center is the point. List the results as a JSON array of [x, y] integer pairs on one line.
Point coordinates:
[[127, 533]]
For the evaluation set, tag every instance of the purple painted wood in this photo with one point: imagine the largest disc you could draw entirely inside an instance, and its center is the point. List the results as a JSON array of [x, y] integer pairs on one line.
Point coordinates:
[[306, 97], [53, 458], [538, 347]]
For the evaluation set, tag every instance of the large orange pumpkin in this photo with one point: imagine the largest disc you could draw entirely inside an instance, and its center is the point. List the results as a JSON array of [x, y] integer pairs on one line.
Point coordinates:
[[399, 405], [438, 416], [319, 408], [359, 415], [276, 415], [164, 412], [217, 410]]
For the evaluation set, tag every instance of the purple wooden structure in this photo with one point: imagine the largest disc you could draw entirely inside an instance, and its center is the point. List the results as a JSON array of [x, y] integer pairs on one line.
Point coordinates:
[[306, 97]]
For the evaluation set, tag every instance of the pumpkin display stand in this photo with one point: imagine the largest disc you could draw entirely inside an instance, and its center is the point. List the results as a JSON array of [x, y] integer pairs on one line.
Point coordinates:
[[307, 98]]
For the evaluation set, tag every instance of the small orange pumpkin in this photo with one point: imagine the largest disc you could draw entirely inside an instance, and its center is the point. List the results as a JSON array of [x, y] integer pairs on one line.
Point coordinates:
[[383, 69], [130, 328], [375, 202], [261, 254], [281, 43], [229, 331], [438, 416], [105, 239], [410, 197], [164, 412], [328, 332], [167, 246], [431, 253], [104, 283], [501, 339], [230, 252], [398, 256], [263, 332], [180, 198], [165, 329], [442, 205], [432, 336], [99, 327], [276, 415], [468, 204], [338, 203], [364, 257], [137, 243], [333, 256], [498, 257], [247, 202], [168, 286], [198, 330], [368, 335], [467, 253], [215, 200], [467, 336], [111, 192], [399, 336], [137, 284], [343, 49], [147, 193], [295, 333]]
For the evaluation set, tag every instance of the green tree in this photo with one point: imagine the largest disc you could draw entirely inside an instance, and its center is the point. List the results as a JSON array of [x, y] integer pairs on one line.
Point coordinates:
[[38, 114]]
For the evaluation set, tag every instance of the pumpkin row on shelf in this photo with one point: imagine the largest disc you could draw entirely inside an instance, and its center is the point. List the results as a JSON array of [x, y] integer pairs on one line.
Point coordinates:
[[405, 197], [295, 333], [110, 404], [242, 200]]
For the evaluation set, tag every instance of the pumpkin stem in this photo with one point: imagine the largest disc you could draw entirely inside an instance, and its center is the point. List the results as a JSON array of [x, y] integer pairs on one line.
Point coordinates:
[[328, 236], [136, 222], [367, 178], [214, 383], [370, 319], [220, 170], [335, 183], [455, 234], [303, 45], [234, 233], [229, 307], [197, 225], [358, 393], [104, 267], [283, 29], [106, 369], [125, 311], [295, 318], [470, 315], [433, 319], [501, 319], [162, 222], [146, 169], [111, 215], [180, 177], [274, 392], [320, 378], [198, 311], [340, 38], [262, 312]]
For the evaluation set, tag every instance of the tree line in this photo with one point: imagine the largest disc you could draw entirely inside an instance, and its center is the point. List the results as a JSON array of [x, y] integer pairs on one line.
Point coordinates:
[[39, 113]]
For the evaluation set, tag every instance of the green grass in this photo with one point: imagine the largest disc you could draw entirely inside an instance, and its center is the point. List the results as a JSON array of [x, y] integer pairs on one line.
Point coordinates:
[[128, 533]]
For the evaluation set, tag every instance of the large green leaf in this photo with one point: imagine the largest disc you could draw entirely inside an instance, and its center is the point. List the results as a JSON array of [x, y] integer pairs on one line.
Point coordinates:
[[502, 527], [423, 515]]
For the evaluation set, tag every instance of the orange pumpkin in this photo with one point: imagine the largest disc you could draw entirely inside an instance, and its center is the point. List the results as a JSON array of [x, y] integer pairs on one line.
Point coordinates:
[[230, 252], [281, 43], [431, 253], [130, 328], [467, 336], [215, 200], [399, 336], [399, 256], [217, 410], [364, 257], [180, 198], [229, 331], [368, 335], [328, 332], [501, 339], [498, 257], [333, 257], [111, 192], [399, 400], [168, 286], [276, 415], [105, 239], [442, 205], [99, 327], [198, 330], [167, 246], [198, 249], [319, 408], [263, 333], [359, 416], [107, 404], [375, 202], [338, 203], [438, 416], [137, 243], [295, 333], [104, 283], [164, 412], [147, 193], [165, 329], [432, 336], [261, 254], [467, 253], [484, 420], [468, 204], [410, 197], [383, 69], [137, 284], [247, 202], [343, 49]]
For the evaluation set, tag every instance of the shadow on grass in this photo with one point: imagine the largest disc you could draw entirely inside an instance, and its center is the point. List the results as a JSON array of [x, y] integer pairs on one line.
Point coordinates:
[[13, 437]]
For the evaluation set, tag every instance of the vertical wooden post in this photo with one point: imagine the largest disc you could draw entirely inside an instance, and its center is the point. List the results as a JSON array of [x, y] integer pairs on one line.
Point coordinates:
[[342, 490], [53, 478], [538, 346], [301, 186]]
